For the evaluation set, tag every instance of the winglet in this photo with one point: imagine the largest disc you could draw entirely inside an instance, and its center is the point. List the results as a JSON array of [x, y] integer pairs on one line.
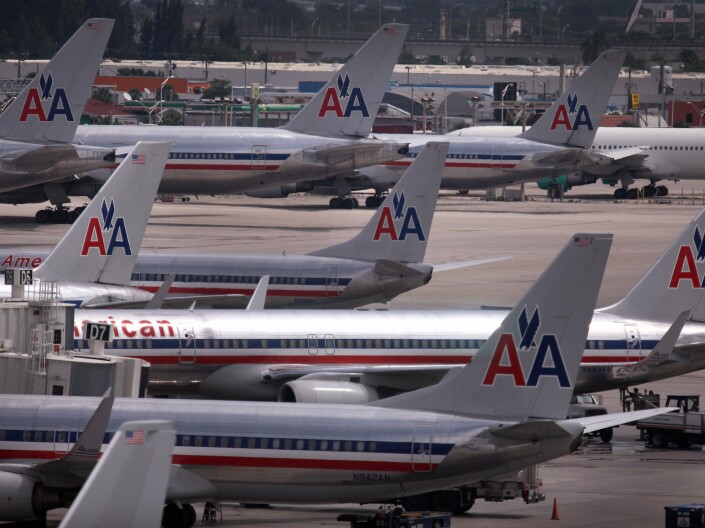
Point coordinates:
[[259, 296], [347, 105], [574, 118], [665, 348], [528, 366], [102, 245], [49, 108], [128, 485], [673, 283], [400, 228], [157, 300]]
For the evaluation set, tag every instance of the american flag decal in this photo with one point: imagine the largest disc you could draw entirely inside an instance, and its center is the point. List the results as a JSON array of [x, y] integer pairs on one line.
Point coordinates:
[[138, 159], [581, 241], [390, 30], [134, 437], [92, 25]]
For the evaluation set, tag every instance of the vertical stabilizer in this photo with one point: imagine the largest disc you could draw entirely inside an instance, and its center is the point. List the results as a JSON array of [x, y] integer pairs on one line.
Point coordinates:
[[574, 118], [128, 485], [400, 227], [673, 284], [348, 104], [49, 108], [102, 245], [528, 366]]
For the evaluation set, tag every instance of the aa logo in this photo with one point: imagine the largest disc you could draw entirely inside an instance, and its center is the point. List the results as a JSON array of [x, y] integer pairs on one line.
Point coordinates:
[[548, 361], [106, 233], [400, 224], [35, 103], [685, 267], [573, 116], [351, 98]]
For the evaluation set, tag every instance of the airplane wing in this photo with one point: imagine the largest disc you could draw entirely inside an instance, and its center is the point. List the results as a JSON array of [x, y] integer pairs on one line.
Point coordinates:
[[603, 421], [282, 373], [360, 153], [632, 158], [44, 164], [229, 300], [449, 266]]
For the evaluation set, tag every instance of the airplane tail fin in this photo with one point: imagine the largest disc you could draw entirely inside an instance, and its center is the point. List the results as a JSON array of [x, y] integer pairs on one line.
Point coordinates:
[[528, 366], [102, 245], [133, 471], [400, 227], [348, 104], [673, 284], [49, 108], [573, 119]]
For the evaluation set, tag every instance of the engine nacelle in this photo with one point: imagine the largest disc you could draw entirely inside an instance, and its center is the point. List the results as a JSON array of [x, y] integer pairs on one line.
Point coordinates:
[[280, 191], [19, 497], [321, 391]]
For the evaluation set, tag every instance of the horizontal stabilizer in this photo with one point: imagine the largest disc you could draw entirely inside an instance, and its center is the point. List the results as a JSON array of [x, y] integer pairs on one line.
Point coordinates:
[[450, 266], [279, 373], [531, 431], [395, 269], [604, 421]]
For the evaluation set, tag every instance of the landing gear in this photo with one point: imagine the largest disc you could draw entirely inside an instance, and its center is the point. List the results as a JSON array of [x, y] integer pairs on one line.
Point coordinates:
[[343, 203], [175, 517], [373, 202], [647, 191], [606, 435], [60, 215]]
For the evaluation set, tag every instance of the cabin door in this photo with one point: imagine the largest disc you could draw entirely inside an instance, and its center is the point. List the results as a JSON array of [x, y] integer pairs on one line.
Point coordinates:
[[187, 345], [633, 342], [332, 279]]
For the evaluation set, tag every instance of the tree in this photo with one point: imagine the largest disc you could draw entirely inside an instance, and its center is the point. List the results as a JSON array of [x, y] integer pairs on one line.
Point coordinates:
[[594, 44], [102, 94], [218, 88]]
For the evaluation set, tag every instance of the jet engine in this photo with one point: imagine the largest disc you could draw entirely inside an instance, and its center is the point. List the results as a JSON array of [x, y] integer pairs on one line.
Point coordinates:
[[24, 498], [321, 391], [280, 191]]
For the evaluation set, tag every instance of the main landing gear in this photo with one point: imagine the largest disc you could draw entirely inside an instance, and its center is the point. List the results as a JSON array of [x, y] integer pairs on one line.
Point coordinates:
[[647, 191], [59, 215], [343, 203], [175, 516], [373, 202]]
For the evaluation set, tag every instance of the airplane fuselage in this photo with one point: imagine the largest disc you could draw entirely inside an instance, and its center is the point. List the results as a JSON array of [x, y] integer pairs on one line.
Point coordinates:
[[248, 355], [296, 281], [222, 160], [271, 452], [673, 153]]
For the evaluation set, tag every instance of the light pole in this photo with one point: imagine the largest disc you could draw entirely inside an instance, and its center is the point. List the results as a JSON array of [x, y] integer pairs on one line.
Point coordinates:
[[408, 74], [558, 23], [426, 101], [474, 101], [161, 98], [504, 92], [563, 31]]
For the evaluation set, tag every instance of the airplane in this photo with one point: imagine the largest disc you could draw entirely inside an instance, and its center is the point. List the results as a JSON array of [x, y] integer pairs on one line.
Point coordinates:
[[382, 261], [327, 137], [500, 413], [652, 154], [93, 261], [37, 128], [333, 356], [134, 471], [558, 142]]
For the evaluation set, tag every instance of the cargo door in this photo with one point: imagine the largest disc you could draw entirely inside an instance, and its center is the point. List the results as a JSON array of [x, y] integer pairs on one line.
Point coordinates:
[[633, 342], [187, 345], [421, 448]]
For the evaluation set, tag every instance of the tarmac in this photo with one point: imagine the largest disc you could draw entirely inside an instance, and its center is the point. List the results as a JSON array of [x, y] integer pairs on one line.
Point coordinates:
[[619, 484]]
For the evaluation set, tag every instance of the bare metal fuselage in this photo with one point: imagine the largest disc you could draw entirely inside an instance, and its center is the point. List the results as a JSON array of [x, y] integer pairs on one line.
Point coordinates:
[[268, 452]]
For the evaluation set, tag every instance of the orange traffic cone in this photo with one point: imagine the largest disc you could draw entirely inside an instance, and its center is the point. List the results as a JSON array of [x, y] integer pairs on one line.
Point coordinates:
[[554, 516]]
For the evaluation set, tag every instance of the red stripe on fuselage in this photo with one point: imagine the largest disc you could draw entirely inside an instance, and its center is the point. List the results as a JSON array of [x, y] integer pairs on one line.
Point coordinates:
[[215, 166], [243, 291], [303, 359]]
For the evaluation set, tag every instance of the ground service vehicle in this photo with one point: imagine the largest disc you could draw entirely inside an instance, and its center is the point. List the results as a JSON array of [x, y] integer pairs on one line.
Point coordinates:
[[684, 427], [587, 405]]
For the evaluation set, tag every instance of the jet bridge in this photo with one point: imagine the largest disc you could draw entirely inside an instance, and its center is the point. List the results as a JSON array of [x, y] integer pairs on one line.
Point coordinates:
[[36, 349]]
